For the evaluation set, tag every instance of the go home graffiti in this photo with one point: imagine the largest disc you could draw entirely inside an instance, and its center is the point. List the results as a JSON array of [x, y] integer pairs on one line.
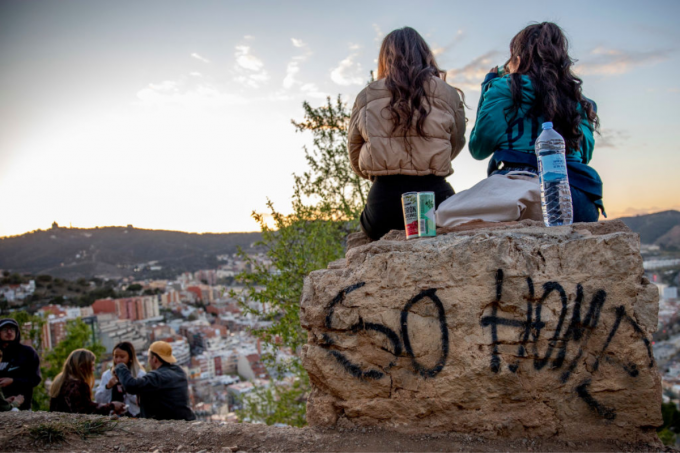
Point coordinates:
[[577, 330]]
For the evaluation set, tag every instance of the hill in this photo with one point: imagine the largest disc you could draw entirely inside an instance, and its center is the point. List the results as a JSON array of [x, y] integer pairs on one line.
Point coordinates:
[[670, 240], [651, 227], [113, 252]]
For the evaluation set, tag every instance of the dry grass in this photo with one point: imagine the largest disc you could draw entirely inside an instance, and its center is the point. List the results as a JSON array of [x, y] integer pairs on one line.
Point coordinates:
[[57, 431]]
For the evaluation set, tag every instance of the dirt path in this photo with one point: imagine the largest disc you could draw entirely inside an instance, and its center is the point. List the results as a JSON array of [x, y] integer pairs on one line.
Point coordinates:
[[22, 431]]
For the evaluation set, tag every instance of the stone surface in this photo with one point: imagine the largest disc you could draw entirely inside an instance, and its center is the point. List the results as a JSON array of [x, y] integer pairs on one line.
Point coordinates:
[[511, 330]]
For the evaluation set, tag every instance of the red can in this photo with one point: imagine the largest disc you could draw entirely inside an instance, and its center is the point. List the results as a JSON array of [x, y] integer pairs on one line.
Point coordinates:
[[409, 203]]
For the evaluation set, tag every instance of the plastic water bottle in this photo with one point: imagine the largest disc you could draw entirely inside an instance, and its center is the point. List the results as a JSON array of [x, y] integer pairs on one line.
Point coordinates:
[[552, 169]]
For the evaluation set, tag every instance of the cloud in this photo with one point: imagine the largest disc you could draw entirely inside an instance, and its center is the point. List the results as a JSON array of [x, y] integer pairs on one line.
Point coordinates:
[[198, 57], [246, 60], [607, 62], [611, 138], [293, 67], [249, 68], [165, 86], [252, 80], [313, 91], [460, 35], [379, 35], [349, 71], [186, 93], [196, 74], [470, 76]]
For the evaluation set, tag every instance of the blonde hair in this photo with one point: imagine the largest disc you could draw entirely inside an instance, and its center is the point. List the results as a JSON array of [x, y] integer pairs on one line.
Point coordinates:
[[77, 366]]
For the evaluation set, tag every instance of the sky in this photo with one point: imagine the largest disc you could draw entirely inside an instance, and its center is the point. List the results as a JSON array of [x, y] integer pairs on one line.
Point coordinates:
[[177, 115]]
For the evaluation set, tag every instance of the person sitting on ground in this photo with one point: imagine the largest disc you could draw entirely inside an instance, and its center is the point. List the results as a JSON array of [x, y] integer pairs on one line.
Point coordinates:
[[13, 402], [21, 372], [404, 131], [71, 390], [164, 391], [110, 389], [539, 87]]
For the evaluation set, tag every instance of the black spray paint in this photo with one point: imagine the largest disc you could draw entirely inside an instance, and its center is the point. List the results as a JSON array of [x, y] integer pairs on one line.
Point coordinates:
[[397, 342], [578, 330]]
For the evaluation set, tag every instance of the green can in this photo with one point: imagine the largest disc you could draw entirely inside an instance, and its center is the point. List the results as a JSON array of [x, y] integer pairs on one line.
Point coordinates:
[[427, 227]]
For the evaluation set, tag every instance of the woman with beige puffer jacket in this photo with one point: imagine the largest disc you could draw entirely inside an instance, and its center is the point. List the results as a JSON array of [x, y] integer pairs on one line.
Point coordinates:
[[404, 131]]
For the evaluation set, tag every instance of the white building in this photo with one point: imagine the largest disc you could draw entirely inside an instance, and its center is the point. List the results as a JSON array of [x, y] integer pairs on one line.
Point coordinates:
[[658, 264], [112, 332], [664, 351], [181, 351]]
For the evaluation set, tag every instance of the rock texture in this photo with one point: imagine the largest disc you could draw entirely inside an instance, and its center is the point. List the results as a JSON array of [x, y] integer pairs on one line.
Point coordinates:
[[514, 330]]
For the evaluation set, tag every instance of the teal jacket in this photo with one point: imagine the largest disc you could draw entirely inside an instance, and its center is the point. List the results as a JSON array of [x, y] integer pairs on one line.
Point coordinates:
[[511, 138], [497, 129]]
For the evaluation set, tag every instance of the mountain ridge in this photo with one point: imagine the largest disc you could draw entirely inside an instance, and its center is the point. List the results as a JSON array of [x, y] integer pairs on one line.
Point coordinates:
[[652, 227], [113, 252]]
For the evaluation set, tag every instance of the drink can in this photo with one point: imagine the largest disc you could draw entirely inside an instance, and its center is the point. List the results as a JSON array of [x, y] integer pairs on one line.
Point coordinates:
[[427, 226], [409, 203]]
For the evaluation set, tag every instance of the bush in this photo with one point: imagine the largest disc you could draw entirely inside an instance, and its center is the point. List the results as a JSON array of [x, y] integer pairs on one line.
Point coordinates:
[[667, 437], [301, 242]]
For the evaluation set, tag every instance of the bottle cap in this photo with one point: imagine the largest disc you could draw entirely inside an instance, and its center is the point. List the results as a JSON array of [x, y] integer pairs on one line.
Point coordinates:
[[547, 125]]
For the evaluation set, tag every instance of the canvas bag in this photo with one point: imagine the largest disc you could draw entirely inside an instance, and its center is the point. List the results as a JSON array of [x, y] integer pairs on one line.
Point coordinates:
[[498, 198]]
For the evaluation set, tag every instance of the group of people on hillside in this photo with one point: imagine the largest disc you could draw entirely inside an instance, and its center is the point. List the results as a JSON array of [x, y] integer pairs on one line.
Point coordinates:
[[125, 389], [408, 125]]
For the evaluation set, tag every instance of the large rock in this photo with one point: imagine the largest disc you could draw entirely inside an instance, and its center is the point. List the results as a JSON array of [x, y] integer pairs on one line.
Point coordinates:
[[512, 331]]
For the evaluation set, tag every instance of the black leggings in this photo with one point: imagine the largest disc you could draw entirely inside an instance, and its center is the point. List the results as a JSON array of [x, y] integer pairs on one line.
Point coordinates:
[[383, 211]]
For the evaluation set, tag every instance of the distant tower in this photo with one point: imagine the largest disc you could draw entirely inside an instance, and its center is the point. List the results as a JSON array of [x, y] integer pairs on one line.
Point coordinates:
[[55, 226]]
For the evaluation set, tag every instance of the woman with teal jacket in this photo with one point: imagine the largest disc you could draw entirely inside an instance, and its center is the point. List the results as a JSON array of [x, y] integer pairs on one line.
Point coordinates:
[[539, 87]]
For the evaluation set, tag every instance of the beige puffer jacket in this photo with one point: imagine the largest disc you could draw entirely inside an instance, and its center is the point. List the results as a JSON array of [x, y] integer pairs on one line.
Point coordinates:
[[374, 151]]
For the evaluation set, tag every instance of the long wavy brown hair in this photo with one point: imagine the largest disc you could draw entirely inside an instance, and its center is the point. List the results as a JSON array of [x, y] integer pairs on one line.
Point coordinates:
[[78, 366], [407, 63], [544, 57], [133, 363]]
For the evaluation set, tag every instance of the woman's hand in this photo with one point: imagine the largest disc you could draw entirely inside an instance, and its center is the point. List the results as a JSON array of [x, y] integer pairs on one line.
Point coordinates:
[[494, 70], [118, 407], [16, 400], [113, 381]]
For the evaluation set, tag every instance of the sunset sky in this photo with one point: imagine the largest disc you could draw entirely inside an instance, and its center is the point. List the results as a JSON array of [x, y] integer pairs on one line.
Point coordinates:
[[176, 115]]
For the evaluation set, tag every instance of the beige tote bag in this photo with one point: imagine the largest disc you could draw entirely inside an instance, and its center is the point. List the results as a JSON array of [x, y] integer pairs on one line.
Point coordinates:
[[498, 198]]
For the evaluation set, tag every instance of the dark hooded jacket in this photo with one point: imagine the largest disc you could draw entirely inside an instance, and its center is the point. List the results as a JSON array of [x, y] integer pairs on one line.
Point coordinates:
[[21, 363], [163, 393]]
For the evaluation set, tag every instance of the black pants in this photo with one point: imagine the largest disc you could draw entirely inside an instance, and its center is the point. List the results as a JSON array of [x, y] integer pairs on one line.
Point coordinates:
[[383, 211]]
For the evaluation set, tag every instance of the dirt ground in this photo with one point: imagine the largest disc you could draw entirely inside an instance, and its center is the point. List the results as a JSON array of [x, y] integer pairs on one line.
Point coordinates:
[[26, 431]]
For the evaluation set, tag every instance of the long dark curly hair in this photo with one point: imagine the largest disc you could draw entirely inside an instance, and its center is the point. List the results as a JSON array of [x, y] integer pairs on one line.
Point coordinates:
[[407, 63], [544, 57]]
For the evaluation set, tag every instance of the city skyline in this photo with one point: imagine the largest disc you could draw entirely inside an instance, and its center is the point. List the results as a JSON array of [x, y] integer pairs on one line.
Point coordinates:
[[171, 116]]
